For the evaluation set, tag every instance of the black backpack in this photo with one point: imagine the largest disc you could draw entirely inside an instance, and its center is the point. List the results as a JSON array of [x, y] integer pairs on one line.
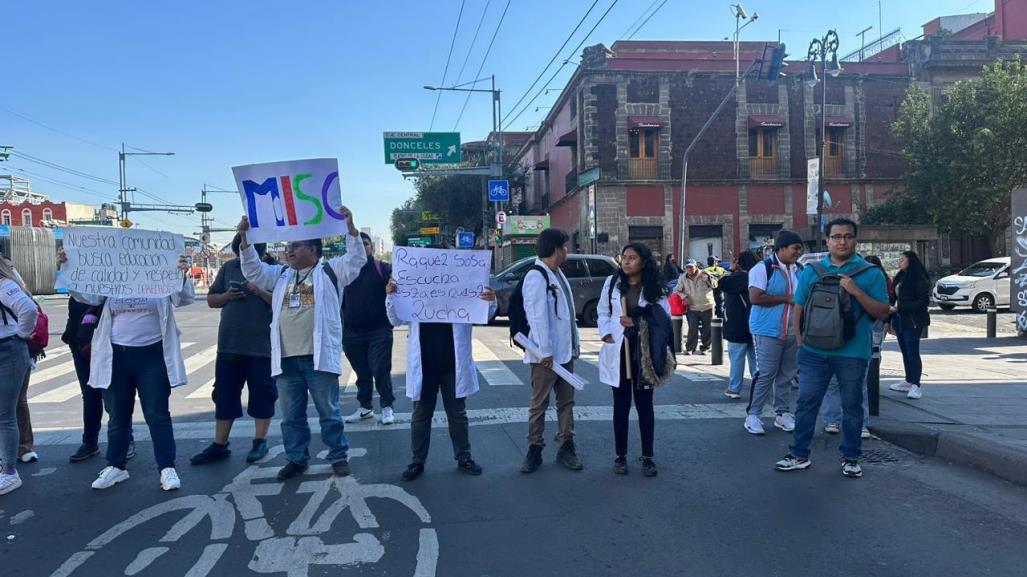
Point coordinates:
[[515, 309], [828, 318]]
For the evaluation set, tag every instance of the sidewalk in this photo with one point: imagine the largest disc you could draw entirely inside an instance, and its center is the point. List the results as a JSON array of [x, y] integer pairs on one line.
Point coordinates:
[[974, 403]]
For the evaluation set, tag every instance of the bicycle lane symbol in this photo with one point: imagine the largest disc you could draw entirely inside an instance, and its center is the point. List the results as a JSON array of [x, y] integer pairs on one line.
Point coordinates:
[[300, 547]]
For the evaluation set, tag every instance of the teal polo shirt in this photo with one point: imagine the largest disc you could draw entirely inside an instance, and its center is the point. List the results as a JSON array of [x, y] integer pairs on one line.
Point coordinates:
[[872, 282]]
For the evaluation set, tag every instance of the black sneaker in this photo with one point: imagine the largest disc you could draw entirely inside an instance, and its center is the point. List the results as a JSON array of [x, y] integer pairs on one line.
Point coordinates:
[[341, 468], [620, 466], [211, 454], [469, 466], [290, 470], [258, 452], [532, 460], [568, 457], [413, 471], [84, 452], [648, 466]]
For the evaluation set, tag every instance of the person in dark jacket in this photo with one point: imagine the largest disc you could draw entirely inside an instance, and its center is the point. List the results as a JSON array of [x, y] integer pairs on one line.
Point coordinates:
[[671, 272], [909, 317], [735, 288], [77, 336]]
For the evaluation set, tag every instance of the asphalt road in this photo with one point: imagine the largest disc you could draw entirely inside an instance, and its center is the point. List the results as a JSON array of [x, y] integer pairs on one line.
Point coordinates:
[[716, 508]]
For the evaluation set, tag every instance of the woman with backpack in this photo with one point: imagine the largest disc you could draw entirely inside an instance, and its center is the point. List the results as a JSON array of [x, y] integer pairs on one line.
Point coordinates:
[[735, 287], [634, 322], [909, 317], [17, 323]]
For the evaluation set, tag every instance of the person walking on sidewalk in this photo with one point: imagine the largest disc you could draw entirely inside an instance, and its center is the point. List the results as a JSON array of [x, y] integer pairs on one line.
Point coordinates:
[[771, 289], [696, 287], [15, 364], [367, 340], [626, 298], [306, 339], [549, 310], [243, 359], [740, 349], [909, 317], [439, 360], [839, 278], [717, 273]]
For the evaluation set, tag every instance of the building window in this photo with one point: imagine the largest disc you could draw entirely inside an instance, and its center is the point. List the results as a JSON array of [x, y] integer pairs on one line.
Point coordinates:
[[833, 151], [5, 217], [47, 215], [26, 217], [643, 163], [763, 152], [651, 236]]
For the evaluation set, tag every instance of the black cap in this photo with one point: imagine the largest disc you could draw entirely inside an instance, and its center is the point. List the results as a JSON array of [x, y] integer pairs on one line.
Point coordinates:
[[785, 238]]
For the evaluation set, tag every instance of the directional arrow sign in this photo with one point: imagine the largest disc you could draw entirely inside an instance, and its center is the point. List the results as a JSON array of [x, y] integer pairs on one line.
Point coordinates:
[[427, 147]]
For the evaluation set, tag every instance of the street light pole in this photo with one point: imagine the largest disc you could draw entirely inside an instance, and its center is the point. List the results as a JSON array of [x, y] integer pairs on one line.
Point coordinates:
[[738, 11], [122, 184], [819, 48]]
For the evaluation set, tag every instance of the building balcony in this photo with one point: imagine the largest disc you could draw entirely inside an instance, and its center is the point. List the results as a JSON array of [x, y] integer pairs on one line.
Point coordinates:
[[643, 168], [762, 167]]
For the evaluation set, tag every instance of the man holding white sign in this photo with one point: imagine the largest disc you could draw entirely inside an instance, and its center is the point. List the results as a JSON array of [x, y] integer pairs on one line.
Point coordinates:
[[440, 285]]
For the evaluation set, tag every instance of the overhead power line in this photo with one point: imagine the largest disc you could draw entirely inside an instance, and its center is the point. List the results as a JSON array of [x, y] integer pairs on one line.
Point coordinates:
[[646, 21], [62, 168], [637, 20], [52, 129], [483, 59], [474, 40], [445, 71]]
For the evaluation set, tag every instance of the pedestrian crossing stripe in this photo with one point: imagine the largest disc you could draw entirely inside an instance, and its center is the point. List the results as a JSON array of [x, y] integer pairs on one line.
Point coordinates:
[[490, 366]]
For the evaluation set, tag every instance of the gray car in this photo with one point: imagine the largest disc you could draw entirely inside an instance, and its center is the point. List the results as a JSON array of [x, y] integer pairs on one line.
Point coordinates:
[[585, 272]]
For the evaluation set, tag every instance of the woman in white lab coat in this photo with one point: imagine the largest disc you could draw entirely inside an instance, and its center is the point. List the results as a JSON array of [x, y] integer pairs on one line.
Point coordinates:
[[439, 359], [624, 298]]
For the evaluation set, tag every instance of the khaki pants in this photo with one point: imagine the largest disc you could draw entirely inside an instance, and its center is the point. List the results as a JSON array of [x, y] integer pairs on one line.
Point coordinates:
[[543, 381]]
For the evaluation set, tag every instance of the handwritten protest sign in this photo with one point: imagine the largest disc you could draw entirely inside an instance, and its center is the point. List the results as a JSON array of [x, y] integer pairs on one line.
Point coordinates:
[[293, 200], [441, 286], [121, 262]]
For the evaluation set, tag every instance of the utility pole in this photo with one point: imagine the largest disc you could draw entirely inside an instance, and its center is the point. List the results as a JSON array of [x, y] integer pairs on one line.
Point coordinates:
[[738, 11], [206, 220]]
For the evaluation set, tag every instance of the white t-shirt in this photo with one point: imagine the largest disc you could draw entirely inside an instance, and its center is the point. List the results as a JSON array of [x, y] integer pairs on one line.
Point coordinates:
[[758, 276], [135, 321]]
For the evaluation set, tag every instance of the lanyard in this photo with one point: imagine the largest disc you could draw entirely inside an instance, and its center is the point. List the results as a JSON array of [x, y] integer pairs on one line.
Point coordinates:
[[300, 281]]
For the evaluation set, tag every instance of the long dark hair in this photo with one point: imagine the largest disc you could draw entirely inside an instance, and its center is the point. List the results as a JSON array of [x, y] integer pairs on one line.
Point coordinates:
[[652, 288], [916, 268]]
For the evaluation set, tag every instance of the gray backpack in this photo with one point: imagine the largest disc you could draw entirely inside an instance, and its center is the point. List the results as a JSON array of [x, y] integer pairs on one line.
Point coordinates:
[[828, 318]]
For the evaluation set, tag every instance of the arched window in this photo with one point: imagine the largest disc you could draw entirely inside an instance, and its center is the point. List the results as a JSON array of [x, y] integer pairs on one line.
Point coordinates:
[[26, 217], [5, 217], [47, 214]]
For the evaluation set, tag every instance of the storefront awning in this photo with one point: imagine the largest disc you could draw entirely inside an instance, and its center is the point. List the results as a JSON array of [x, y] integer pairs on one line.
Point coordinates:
[[766, 120], [644, 122], [569, 139]]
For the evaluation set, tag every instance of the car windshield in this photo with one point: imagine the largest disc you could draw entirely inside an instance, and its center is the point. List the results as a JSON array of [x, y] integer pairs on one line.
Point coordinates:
[[983, 269]]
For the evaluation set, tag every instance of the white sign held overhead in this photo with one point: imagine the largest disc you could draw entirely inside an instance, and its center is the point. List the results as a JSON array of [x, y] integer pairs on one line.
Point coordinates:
[[121, 262], [441, 286]]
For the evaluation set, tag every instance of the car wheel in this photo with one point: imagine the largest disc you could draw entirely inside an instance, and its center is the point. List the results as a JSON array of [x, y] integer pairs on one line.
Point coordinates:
[[590, 316], [983, 302], [946, 307]]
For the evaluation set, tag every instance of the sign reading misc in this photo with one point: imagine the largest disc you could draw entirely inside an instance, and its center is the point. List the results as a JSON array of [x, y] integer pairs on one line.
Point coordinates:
[[441, 286], [115, 262]]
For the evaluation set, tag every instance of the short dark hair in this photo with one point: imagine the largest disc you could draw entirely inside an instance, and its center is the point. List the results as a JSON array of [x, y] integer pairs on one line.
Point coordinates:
[[314, 242], [842, 222], [747, 259], [260, 247], [549, 240], [367, 237]]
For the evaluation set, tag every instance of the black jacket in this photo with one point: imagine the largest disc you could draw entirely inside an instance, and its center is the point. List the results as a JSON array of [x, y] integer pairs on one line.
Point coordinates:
[[735, 287], [912, 296], [363, 307]]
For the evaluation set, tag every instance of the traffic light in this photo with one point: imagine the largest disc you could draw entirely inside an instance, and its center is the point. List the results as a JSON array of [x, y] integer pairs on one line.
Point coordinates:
[[777, 60], [407, 164]]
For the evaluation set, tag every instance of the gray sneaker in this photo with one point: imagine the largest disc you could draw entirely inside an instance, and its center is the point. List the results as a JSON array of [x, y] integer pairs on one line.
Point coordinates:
[[568, 457], [851, 469]]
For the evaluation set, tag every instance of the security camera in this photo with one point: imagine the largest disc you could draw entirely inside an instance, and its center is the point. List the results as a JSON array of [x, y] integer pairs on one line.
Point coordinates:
[[755, 16], [739, 11]]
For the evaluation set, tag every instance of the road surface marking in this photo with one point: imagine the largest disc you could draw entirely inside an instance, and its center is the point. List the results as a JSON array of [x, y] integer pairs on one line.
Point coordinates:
[[490, 366]]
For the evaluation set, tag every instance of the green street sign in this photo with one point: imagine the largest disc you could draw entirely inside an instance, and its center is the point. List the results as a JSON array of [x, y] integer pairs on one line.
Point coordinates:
[[426, 147], [419, 240]]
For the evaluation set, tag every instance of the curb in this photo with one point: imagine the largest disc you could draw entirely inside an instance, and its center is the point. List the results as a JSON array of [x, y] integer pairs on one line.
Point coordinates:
[[966, 449]]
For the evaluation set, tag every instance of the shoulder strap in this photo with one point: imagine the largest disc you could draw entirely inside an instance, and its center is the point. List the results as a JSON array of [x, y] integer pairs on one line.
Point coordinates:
[[609, 293], [819, 269], [862, 269], [4, 311], [550, 288], [331, 275]]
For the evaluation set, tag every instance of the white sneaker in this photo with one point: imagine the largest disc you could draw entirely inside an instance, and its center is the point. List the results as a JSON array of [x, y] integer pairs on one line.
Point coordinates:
[[360, 414], [865, 433], [902, 387], [109, 477], [9, 483], [754, 425], [785, 422], [832, 428], [914, 392], [30, 457], [387, 416], [169, 480]]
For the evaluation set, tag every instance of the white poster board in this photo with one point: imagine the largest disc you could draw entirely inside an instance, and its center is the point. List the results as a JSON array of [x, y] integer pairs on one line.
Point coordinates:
[[441, 286], [292, 200], [812, 185], [120, 262]]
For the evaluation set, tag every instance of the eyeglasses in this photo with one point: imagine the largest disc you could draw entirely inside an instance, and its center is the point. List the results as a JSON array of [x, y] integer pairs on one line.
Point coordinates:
[[294, 245], [845, 237]]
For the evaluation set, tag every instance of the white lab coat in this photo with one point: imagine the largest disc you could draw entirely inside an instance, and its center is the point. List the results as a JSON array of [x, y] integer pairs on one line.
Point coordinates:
[[327, 301], [610, 356], [553, 333], [101, 361], [466, 372]]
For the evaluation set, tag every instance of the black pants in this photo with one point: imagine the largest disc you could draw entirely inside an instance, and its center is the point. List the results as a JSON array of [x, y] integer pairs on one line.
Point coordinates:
[[622, 408], [695, 319], [92, 401], [370, 355], [424, 409]]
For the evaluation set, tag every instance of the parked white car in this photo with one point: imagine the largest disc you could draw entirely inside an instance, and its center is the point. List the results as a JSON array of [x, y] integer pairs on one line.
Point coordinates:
[[981, 286]]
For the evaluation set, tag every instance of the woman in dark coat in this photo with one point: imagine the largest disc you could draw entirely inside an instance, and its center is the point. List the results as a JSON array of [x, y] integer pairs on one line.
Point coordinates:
[[909, 317]]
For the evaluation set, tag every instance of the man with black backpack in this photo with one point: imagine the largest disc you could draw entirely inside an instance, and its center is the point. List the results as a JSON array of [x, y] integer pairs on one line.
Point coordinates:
[[836, 302]]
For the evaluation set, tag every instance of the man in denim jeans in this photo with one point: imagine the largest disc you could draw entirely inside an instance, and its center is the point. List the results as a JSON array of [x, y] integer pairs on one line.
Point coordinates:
[[847, 364]]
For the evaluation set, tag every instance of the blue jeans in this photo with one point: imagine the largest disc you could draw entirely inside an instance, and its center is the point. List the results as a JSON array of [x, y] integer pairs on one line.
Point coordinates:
[[832, 408], [909, 344], [737, 354], [815, 373], [298, 379], [142, 370], [14, 366]]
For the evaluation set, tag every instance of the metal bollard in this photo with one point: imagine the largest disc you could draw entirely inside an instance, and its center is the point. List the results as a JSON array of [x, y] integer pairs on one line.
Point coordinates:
[[992, 321], [677, 323], [874, 383], [717, 342]]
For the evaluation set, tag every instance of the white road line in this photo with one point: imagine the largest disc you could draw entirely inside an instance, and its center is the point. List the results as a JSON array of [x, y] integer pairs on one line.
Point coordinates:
[[43, 375], [204, 391], [494, 370]]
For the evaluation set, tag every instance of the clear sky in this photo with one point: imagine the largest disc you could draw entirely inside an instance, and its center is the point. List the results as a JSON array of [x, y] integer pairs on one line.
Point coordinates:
[[234, 82]]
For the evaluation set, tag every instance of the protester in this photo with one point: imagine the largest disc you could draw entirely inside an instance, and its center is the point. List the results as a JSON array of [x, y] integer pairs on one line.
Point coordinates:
[[367, 340], [243, 359], [909, 317], [26, 441], [771, 286], [628, 359], [18, 312], [549, 308], [439, 359], [136, 348], [735, 288], [716, 272], [696, 287], [867, 292], [306, 339], [671, 271]]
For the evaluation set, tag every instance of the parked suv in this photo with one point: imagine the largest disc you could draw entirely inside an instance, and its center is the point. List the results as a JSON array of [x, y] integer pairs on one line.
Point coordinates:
[[981, 286], [586, 274]]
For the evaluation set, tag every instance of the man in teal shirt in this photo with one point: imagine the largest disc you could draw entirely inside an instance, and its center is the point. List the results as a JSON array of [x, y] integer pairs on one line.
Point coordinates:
[[848, 364]]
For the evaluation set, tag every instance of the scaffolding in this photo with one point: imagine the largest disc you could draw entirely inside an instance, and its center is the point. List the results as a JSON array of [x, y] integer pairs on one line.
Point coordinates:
[[16, 190], [876, 47]]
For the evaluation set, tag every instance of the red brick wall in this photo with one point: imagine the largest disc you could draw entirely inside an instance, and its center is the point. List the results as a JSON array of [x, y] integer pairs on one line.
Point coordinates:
[[882, 100], [714, 157], [645, 201], [766, 199], [58, 209]]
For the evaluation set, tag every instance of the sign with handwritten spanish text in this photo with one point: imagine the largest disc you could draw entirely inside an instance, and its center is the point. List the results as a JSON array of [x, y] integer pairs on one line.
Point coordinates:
[[292, 200], [441, 286], [121, 262]]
